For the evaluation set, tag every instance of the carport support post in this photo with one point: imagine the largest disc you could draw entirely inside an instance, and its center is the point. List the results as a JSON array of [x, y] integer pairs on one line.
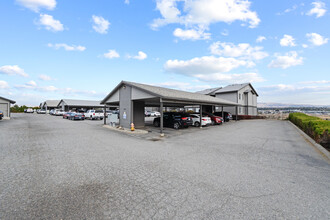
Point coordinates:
[[200, 115], [105, 114], [161, 116], [236, 113], [222, 114]]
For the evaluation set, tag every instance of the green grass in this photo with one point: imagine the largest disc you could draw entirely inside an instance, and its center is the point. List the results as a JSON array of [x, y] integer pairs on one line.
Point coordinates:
[[311, 125]]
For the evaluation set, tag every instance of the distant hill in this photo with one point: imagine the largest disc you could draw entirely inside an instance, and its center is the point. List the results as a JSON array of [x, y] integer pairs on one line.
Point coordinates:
[[283, 105]]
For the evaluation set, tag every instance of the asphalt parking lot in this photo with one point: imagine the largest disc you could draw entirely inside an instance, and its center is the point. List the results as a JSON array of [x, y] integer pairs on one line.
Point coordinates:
[[53, 168]]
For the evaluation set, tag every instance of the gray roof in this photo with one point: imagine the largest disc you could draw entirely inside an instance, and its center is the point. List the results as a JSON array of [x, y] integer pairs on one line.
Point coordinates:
[[234, 88], [173, 94], [208, 91], [9, 100], [51, 103], [81, 103]]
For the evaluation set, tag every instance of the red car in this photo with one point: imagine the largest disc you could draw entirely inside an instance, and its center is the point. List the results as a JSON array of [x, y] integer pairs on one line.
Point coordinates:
[[216, 120]]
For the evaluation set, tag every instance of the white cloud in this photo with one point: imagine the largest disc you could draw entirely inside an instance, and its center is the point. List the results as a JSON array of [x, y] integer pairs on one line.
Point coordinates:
[[225, 32], [126, 2], [319, 9], [316, 82], [260, 39], [287, 41], [317, 39], [296, 88], [304, 45], [13, 70], [226, 78], [111, 54], [36, 5], [243, 50], [50, 23], [191, 34], [67, 47], [4, 85], [200, 14], [32, 85], [286, 61], [293, 8], [205, 65], [45, 78], [141, 56], [101, 25]]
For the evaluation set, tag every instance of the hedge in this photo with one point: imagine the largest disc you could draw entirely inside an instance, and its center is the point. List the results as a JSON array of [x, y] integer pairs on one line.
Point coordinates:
[[315, 127]]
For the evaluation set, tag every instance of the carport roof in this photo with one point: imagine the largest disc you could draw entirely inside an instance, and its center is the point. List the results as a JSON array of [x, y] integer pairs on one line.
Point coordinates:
[[80, 103], [51, 103], [9, 100], [173, 95]]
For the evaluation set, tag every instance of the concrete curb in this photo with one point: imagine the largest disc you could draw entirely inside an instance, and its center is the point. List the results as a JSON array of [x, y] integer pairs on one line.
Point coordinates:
[[137, 131], [317, 146]]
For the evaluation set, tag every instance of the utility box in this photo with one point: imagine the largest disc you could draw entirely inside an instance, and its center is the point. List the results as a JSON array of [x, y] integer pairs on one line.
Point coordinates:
[[113, 119]]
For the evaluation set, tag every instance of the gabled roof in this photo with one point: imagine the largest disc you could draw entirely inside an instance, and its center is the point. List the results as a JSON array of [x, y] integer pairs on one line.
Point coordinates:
[[51, 103], [209, 91], [80, 103], [172, 94], [9, 100], [234, 88]]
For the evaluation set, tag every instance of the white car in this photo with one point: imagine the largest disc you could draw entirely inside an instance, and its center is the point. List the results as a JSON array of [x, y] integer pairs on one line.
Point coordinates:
[[94, 114], [29, 110], [59, 112], [205, 120], [155, 114]]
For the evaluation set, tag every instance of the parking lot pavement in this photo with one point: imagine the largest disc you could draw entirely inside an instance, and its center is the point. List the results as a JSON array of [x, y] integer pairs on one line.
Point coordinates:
[[52, 168]]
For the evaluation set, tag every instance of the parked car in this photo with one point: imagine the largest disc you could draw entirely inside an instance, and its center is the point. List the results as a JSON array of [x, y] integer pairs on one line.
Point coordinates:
[[174, 120], [227, 115], [1, 115], [52, 112], [109, 112], [67, 114], [59, 112], [29, 110], [154, 114], [41, 111], [94, 114], [196, 120], [216, 120], [76, 116], [147, 113]]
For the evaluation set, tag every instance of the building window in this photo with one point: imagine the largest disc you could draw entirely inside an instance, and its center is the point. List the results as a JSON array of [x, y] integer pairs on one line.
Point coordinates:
[[239, 95]]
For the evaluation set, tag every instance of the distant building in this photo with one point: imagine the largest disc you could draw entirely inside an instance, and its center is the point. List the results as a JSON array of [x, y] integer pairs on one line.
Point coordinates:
[[69, 104], [5, 106], [49, 104], [243, 94]]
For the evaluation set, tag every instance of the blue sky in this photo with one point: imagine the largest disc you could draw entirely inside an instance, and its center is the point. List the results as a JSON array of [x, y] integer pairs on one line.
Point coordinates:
[[54, 49]]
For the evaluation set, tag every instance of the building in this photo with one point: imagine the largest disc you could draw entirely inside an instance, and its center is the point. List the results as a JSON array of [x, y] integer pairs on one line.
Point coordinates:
[[243, 94], [73, 104], [49, 104], [132, 98], [5, 106]]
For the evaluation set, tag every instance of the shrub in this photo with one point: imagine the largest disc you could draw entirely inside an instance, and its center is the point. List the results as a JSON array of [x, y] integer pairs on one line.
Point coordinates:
[[315, 127]]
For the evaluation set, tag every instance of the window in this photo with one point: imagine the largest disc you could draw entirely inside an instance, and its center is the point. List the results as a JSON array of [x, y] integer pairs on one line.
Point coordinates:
[[239, 95]]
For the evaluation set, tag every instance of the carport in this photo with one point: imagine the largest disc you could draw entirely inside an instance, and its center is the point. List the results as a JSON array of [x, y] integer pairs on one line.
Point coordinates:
[[68, 104], [50, 104], [133, 97], [5, 106]]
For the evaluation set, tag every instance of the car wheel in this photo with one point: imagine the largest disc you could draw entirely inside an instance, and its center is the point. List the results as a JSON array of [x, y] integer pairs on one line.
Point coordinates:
[[197, 124], [156, 123], [176, 125]]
